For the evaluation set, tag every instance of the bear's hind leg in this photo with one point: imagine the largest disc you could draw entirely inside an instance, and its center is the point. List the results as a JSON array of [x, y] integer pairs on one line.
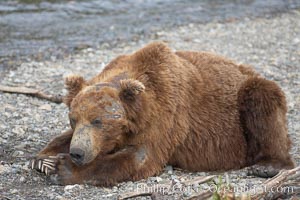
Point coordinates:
[[263, 117]]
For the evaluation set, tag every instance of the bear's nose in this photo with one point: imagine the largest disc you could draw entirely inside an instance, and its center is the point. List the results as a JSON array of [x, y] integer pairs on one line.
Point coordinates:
[[77, 155]]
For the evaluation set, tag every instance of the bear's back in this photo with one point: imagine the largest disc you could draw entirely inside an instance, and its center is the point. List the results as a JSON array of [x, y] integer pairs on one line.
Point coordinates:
[[214, 67]]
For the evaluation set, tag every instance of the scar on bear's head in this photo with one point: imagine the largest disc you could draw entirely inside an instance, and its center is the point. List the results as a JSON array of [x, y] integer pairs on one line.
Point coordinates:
[[74, 85]]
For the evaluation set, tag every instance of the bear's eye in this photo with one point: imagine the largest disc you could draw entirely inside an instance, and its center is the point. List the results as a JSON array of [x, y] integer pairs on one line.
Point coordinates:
[[72, 123], [97, 122]]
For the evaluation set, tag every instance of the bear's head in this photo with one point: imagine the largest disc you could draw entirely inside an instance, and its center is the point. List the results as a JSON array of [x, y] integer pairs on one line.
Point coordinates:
[[98, 116], [111, 111]]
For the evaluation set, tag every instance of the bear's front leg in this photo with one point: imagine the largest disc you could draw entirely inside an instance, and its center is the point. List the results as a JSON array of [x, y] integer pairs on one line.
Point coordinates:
[[105, 170], [60, 144]]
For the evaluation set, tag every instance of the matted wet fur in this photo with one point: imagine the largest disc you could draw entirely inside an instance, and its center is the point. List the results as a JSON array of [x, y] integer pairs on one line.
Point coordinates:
[[193, 110]]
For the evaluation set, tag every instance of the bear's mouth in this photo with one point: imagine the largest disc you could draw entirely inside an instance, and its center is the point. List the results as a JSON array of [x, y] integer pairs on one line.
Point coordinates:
[[117, 149]]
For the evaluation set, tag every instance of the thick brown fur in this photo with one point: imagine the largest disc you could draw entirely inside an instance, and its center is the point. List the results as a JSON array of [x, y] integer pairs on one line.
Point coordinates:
[[193, 110]]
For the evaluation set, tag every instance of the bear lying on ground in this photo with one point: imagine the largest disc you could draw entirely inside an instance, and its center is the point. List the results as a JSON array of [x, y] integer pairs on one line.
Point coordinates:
[[193, 110]]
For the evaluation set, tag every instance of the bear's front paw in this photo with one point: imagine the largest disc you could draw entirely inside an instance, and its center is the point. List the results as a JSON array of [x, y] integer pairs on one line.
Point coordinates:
[[44, 164], [63, 173]]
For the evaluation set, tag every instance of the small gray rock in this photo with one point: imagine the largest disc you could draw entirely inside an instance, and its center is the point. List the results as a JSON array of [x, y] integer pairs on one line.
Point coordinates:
[[22, 179]]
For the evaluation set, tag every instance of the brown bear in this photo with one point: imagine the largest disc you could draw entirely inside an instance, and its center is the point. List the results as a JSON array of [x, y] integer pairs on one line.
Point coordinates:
[[193, 110]]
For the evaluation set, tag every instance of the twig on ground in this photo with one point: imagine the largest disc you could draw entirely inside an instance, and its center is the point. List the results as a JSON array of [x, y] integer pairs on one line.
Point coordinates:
[[284, 178], [277, 181], [157, 192], [203, 195], [199, 180], [134, 194], [32, 92], [145, 191]]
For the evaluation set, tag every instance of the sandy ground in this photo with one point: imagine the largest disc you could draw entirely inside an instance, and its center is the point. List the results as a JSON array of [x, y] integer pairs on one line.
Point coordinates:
[[271, 45]]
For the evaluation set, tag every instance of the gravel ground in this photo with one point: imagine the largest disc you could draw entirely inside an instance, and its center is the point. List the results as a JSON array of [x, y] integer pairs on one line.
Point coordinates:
[[271, 45]]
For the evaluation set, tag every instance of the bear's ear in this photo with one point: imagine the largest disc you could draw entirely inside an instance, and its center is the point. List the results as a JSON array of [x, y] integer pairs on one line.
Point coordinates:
[[74, 84], [153, 54], [130, 89]]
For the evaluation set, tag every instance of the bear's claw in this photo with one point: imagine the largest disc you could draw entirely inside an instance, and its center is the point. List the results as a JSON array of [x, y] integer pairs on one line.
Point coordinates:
[[46, 165], [32, 164], [58, 167]]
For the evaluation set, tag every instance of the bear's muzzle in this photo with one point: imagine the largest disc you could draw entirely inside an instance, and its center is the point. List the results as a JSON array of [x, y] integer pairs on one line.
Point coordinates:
[[77, 155]]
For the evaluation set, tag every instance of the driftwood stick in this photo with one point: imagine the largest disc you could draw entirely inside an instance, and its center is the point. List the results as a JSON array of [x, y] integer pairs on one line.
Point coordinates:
[[146, 191], [277, 181], [134, 194], [157, 192], [284, 178], [199, 180], [32, 92], [203, 195]]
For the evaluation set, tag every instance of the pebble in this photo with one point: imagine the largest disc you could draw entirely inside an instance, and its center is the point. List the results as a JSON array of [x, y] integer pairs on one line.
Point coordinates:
[[296, 40], [72, 187], [169, 169], [15, 170], [36, 179], [158, 179], [17, 153], [14, 191], [59, 197], [47, 107], [21, 146], [187, 194], [3, 168], [115, 189], [38, 118], [108, 195], [18, 130], [22, 179]]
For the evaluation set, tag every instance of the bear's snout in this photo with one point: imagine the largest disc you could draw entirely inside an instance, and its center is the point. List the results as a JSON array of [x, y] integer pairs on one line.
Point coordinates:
[[82, 150], [77, 155]]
